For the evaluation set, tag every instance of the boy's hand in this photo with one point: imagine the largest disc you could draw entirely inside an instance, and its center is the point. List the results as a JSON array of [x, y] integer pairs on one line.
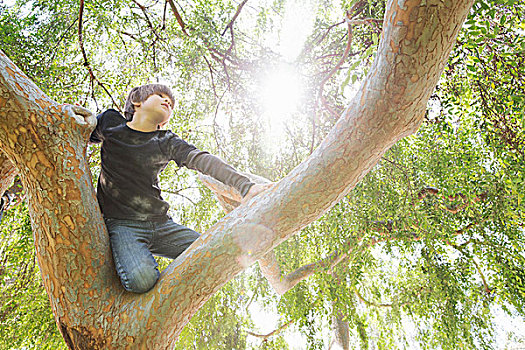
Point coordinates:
[[82, 115], [255, 190]]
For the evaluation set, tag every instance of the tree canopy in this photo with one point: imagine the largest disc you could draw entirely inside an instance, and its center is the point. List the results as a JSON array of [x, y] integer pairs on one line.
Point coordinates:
[[425, 252]]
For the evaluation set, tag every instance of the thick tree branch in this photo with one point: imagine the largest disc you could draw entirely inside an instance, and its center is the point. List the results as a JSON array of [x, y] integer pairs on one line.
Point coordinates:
[[229, 199]]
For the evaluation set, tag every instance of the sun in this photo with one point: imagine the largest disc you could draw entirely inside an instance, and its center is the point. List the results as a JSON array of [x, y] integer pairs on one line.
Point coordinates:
[[281, 92], [280, 87]]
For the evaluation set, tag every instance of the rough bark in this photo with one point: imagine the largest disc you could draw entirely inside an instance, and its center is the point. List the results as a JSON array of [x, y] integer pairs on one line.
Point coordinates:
[[7, 172], [47, 146]]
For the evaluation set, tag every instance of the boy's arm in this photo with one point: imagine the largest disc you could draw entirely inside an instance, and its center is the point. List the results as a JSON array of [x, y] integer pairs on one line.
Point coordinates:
[[96, 134], [215, 167]]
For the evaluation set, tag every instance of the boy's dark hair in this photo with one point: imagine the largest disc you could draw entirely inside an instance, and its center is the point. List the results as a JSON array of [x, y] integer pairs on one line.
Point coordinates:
[[139, 94]]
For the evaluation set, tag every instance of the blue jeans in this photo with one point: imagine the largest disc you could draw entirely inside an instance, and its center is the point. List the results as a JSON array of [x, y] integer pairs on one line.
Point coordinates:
[[135, 242]]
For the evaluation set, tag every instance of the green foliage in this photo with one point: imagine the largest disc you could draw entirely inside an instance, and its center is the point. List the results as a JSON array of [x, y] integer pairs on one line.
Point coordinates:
[[25, 316], [222, 322], [433, 234]]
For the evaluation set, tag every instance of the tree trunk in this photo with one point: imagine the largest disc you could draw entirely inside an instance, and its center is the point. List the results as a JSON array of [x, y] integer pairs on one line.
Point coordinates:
[[47, 146]]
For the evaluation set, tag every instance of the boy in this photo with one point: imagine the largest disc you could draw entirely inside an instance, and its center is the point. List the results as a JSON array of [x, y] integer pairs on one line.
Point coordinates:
[[134, 151]]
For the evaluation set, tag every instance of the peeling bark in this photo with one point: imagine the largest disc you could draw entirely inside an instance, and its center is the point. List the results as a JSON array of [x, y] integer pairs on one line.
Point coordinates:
[[7, 173], [47, 147]]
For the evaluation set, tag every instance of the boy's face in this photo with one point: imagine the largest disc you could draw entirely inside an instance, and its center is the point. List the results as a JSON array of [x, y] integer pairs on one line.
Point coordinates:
[[157, 108]]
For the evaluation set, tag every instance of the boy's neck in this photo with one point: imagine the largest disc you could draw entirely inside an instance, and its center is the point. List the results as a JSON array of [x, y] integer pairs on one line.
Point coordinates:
[[142, 124]]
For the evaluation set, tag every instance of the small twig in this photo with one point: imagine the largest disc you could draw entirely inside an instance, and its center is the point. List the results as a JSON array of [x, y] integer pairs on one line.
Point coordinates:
[[212, 78], [488, 290], [336, 68], [314, 128], [232, 44], [424, 192], [252, 297], [325, 34], [13, 196], [54, 49], [368, 21], [228, 79], [180, 194], [230, 25], [265, 337], [214, 53], [164, 15], [150, 24], [81, 40], [86, 61], [178, 17], [485, 284], [131, 35], [367, 302], [333, 112]]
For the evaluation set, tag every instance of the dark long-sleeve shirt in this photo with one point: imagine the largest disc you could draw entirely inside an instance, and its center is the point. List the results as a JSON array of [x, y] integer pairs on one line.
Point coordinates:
[[131, 161]]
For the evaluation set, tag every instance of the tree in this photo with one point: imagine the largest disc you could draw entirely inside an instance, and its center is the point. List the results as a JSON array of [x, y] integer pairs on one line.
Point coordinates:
[[404, 64]]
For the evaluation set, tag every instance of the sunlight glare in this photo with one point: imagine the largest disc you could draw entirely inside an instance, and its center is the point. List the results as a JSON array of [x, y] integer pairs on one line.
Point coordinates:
[[281, 91], [280, 94], [298, 22]]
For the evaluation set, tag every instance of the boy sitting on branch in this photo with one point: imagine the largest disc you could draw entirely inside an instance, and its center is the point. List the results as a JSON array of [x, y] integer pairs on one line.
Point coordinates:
[[134, 151]]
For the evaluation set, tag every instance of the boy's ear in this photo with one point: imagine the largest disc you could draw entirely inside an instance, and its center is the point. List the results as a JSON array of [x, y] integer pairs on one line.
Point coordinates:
[[136, 104]]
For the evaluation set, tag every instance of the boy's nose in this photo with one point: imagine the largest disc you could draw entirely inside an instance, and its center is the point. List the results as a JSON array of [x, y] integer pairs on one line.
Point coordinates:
[[167, 99]]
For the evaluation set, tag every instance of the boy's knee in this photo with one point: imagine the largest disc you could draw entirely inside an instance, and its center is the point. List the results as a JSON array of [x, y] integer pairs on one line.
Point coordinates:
[[141, 280]]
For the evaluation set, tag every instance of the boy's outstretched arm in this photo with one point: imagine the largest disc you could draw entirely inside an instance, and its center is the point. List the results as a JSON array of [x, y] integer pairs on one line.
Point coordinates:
[[215, 167]]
